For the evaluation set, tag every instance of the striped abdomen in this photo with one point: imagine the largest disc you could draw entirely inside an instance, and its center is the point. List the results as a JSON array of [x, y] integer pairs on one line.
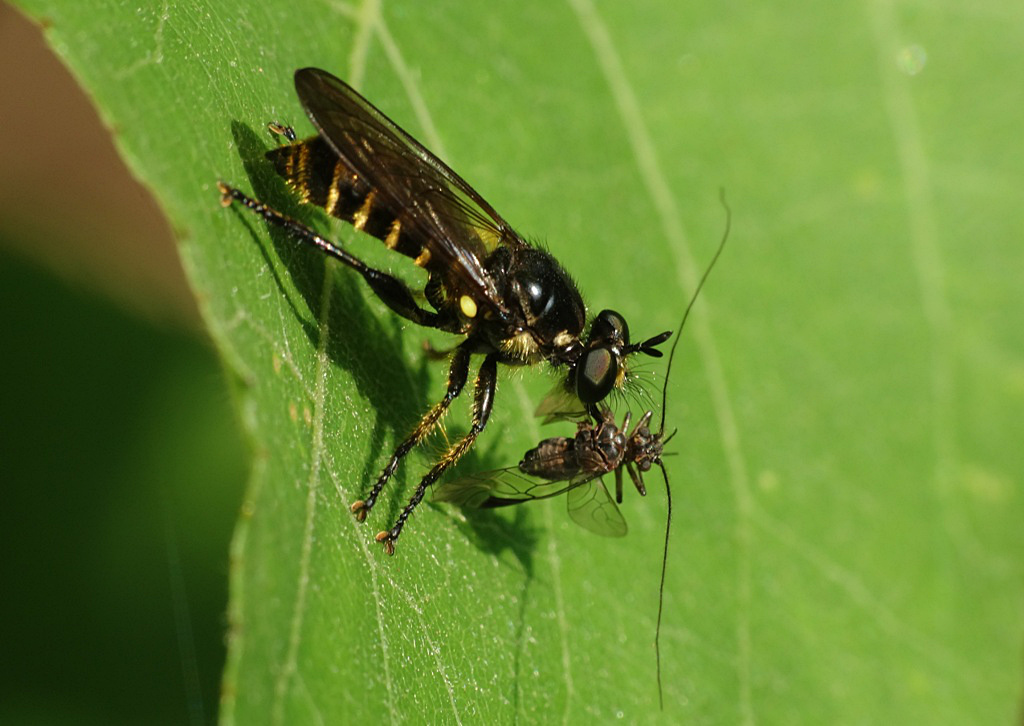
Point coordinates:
[[321, 178]]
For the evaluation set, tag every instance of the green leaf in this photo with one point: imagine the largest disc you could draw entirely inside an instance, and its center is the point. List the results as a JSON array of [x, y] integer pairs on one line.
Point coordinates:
[[846, 542]]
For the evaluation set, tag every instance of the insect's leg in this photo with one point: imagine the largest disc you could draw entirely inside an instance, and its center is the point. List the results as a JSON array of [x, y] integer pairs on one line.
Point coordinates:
[[434, 292], [286, 132], [457, 375], [618, 485], [642, 424], [483, 401], [637, 477], [433, 353], [390, 290]]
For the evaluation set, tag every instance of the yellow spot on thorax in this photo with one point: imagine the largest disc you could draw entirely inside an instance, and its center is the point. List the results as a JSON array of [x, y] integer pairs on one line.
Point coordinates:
[[468, 306]]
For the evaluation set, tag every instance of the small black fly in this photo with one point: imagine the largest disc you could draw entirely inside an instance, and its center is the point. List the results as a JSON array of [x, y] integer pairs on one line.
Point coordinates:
[[575, 467], [512, 302]]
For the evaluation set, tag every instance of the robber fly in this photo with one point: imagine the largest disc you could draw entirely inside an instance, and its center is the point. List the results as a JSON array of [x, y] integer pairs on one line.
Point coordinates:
[[512, 302], [575, 467]]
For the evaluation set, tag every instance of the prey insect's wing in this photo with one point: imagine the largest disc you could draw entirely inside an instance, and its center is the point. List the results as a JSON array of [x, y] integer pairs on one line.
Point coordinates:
[[498, 488], [592, 507], [588, 502], [434, 204]]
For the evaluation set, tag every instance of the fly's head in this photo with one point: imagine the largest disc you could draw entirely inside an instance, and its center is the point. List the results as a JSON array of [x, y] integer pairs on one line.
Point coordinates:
[[596, 365], [644, 447], [603, 362]]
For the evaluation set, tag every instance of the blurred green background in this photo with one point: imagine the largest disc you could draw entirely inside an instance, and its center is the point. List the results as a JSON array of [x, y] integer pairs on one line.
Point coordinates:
[[120, 455], [122, 472]]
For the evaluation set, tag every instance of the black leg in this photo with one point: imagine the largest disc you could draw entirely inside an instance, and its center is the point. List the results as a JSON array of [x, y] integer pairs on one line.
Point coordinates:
[[483, 401], [637, 477], [434, 292], [285, 132], [390, 290], [458, 372], [433, 353]]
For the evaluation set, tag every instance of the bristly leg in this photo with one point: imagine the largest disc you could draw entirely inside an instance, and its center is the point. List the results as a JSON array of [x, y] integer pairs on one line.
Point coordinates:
[[392, 291], [483, 401], [458, 373]]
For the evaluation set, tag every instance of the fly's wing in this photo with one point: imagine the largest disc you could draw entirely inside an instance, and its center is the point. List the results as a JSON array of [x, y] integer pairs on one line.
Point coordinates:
[[591, 507], [588, 501], [498, 488], [434, 203], [560, 405]]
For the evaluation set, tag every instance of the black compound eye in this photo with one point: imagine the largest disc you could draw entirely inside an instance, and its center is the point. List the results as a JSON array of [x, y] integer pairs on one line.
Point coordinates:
[[610, 327], [540, 299], [546, 296], [596, 374]]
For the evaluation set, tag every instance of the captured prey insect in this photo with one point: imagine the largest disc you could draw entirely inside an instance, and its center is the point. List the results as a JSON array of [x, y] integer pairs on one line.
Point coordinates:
[[575, 467], [512, 302]]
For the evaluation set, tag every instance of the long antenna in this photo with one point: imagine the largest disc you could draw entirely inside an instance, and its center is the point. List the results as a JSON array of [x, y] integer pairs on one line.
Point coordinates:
[[704, 277], [661, 586], [664, 474]]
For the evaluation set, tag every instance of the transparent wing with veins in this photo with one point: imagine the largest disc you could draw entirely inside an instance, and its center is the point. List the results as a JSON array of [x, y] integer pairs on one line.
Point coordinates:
[[587, 499]]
